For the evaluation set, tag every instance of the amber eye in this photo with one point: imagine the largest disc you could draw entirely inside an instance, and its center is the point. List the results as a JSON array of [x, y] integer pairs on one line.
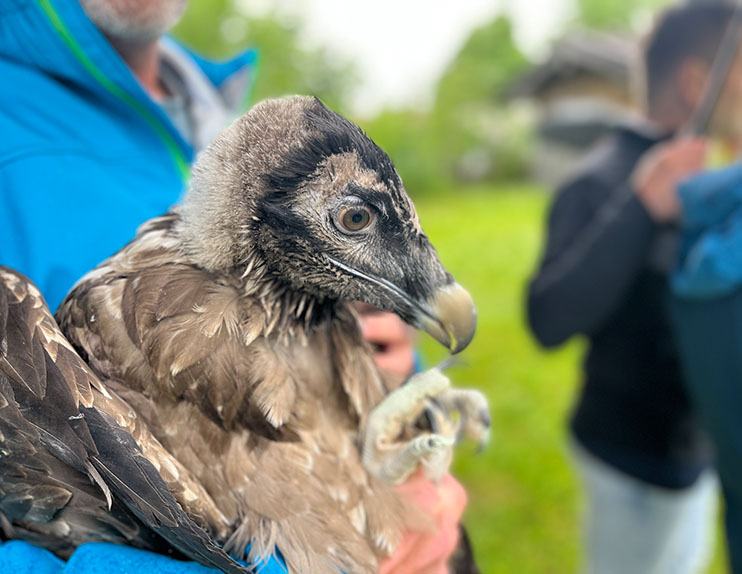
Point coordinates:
[[355, 218]]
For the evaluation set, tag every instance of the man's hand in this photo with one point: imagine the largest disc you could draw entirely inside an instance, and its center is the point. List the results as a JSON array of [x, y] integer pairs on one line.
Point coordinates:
[[656, 177], [392, 339], [429, 552]]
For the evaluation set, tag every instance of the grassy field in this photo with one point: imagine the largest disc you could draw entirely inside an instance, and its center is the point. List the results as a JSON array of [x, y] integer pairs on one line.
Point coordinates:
[[524, 499]]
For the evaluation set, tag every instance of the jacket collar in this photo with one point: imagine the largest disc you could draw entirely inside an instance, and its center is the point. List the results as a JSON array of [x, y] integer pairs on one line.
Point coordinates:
[[57, 38]]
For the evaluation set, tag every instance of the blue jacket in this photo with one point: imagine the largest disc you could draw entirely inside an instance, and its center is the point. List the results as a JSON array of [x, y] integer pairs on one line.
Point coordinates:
[[21, 557], [710, 264], [85, 157], [85, 154]]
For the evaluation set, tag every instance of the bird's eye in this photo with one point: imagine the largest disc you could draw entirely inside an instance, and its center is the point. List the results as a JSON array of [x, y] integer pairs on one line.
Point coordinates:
[[355, 219]]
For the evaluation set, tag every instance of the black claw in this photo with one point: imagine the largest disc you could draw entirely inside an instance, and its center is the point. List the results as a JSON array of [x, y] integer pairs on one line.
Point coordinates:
[[484, 417], [432, 412]]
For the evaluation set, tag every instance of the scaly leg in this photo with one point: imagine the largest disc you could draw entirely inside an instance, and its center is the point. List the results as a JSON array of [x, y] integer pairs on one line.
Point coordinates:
[[473, 408], [390, 460]]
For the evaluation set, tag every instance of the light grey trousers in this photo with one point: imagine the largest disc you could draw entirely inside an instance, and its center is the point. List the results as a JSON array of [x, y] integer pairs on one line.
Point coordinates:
[[632, 527]]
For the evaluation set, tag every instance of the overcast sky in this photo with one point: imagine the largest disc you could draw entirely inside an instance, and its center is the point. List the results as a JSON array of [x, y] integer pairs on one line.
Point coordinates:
[[402, 46]]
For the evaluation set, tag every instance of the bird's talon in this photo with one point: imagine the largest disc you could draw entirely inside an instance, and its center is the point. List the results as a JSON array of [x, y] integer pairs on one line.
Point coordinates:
[[484, 418]]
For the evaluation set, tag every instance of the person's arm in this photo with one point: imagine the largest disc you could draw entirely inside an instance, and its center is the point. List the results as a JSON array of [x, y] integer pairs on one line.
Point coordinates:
[[592, 254], [712, 267], [22, 557], [595, 249]]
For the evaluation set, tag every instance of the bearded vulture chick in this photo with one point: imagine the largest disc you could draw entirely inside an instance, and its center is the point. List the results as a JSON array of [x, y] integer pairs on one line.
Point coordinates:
[[227, 327]]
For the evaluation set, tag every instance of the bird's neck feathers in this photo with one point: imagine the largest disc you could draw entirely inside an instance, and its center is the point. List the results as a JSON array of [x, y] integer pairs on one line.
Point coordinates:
[[228, 183], [288, 312], [217, 233], [214, 230], [294, 315]]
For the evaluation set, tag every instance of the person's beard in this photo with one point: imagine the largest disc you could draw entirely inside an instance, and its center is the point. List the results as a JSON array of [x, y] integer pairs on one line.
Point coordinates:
[[134, 20]]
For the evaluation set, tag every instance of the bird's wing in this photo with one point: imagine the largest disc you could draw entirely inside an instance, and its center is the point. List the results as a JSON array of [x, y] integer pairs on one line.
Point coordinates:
[[65, 464], [137, 483], [45, 447], [171, 330]]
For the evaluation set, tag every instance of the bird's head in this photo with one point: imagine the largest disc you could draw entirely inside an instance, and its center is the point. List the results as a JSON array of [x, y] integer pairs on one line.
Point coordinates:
[[301, 192]]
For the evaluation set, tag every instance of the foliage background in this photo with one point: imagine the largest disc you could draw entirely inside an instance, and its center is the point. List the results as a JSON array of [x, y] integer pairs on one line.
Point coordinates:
[[525, 501]]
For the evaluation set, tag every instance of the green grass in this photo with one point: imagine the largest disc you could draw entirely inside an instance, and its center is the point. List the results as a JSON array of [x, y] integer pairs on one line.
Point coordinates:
[[524, 500]]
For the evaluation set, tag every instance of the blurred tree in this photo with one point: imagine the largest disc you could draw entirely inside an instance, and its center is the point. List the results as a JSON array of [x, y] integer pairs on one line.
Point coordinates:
[[408, 138], [488, 61], [219, 28], [463, 134], [614, 14], [466, 134], [468, 114]]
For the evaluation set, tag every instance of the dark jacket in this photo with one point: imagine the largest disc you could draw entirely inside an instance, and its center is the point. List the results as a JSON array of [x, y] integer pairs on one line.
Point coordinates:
[[604, 275]]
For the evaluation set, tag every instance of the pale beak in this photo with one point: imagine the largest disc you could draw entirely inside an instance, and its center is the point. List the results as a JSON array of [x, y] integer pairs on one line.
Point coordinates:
[[450, 317]]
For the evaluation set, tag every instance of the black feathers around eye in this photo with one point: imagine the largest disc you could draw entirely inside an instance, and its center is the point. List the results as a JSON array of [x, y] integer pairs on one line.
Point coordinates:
[[355, 219]]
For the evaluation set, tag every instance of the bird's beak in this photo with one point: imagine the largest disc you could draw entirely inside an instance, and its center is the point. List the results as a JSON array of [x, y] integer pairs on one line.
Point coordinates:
[[449, 316]]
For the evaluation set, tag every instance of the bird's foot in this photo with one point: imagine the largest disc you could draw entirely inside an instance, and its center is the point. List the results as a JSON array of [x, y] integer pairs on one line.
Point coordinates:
[[392, 460], [473, 409]]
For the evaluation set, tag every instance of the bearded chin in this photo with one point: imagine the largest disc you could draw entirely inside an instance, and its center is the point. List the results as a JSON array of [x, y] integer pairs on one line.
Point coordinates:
[[135, 21]]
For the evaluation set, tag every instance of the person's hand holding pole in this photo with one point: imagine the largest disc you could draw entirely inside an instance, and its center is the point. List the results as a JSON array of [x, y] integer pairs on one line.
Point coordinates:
[[656, 177]]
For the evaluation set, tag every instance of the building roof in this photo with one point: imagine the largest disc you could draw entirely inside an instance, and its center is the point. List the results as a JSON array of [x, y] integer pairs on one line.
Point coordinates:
[[578, 55]]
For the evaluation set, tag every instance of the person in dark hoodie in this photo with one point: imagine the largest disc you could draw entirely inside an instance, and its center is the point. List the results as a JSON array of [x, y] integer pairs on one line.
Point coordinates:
[[611, 241]]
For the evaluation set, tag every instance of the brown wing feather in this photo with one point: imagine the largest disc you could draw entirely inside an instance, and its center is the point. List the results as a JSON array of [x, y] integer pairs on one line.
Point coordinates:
[[172, 331], [47, 488], [61, 458]]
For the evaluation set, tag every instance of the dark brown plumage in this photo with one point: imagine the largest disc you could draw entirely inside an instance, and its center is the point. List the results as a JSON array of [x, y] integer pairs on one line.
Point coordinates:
[[226, 329], [68, 472]]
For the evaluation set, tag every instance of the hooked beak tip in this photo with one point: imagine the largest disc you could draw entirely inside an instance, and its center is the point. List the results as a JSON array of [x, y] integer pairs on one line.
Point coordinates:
[[453, 317]]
